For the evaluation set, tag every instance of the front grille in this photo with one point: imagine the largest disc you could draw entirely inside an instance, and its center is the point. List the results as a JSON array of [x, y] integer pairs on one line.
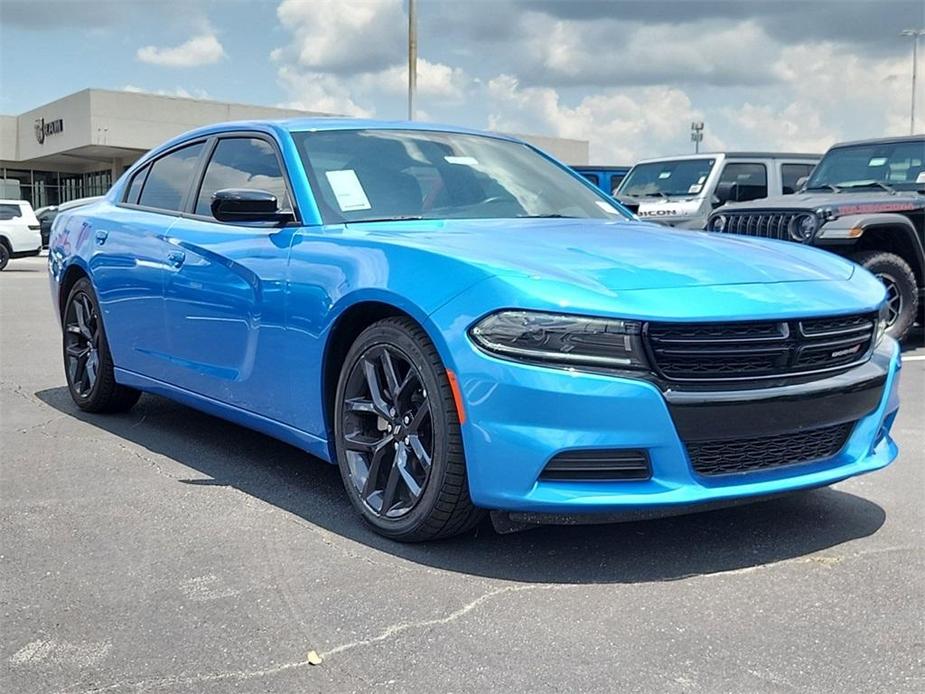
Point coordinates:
[[598, 465], [768, 225], [758, 349], [767, 452]]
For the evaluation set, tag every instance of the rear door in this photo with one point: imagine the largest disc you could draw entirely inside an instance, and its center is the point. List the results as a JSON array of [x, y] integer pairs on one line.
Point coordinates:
[[131, 257], [224, 297]]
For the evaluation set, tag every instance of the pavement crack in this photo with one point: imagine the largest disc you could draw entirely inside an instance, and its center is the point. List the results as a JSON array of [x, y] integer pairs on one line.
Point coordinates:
[[395, 629]]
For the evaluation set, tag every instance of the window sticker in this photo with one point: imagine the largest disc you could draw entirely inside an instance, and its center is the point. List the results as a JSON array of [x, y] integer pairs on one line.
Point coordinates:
[[701, 180], [696, 188], [465, 161], [348, 191], [665, 174], [606, 206], [877, 161], [920, 178]]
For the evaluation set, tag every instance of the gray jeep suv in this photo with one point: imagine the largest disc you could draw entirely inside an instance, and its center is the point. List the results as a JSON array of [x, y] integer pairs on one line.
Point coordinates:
[[864, 200]]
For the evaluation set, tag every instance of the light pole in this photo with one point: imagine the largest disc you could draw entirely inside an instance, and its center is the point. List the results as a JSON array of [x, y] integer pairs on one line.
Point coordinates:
[[914, 34], [697, 135], [412, 58]]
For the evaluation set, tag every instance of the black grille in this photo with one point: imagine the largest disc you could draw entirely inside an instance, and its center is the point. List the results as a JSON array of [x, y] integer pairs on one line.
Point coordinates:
[[767, 452], [765, 349], [598, 465], [768, 225]]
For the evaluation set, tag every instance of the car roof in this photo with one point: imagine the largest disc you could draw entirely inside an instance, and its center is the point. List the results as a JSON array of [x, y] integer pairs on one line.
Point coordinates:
[[329, 123], [882, 141], [735, 154]]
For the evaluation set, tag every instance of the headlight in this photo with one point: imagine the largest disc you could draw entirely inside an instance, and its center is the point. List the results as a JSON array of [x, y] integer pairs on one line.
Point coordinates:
[[562, 339], [718, 223], [803, 227], [882, 320]]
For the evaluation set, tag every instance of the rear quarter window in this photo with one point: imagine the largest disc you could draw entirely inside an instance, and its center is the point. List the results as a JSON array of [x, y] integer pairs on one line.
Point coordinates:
[[170, 178]]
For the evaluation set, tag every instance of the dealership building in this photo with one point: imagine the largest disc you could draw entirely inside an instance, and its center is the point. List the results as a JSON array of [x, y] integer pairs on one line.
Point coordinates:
[[77, 146]]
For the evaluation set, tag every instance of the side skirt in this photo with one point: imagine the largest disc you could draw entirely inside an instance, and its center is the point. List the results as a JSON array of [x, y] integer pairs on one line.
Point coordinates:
[[310, 443]]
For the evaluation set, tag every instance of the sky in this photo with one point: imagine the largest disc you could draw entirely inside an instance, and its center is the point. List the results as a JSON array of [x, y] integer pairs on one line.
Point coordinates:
[[629, 76]]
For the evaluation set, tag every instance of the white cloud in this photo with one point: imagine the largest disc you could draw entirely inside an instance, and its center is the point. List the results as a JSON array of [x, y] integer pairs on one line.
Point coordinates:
[[312, 91], [334, 36], [622, 125], [204, 49]]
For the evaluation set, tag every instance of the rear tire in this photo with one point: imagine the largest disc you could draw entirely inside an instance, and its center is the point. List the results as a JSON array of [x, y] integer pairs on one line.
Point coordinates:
[[902, 290], [4, 255], [397, 436], [88, 363]]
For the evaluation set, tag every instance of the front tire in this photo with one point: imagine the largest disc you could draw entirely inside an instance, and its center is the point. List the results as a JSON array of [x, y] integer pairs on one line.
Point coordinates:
[[4, 256], [397, 436], [88, 363], [902, 291]]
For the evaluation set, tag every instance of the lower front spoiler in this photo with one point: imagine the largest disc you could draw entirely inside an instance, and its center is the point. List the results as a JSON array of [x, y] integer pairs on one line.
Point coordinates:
[[505, 522]]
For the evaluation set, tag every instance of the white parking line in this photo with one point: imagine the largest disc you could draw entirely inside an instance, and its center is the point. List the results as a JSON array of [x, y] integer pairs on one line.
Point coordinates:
[[920, 357]]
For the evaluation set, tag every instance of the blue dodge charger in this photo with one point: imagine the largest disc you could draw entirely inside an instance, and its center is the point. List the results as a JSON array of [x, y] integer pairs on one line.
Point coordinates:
[[462, 324]]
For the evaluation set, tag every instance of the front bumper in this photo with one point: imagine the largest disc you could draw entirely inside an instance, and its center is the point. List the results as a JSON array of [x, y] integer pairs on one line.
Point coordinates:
[[519, 416]]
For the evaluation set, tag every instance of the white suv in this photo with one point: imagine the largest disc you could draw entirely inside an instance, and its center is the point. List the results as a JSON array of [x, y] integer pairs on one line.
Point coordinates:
[[20, 234], [683, 191]]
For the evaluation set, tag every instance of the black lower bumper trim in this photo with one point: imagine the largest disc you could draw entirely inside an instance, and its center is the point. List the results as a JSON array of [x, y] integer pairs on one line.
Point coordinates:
[[713, 416]]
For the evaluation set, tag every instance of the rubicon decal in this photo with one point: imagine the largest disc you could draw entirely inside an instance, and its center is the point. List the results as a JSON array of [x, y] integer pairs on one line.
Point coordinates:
[[872, 207]]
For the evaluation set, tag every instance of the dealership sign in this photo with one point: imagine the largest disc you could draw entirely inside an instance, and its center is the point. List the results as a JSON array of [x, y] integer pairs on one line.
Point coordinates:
[[43, 129]]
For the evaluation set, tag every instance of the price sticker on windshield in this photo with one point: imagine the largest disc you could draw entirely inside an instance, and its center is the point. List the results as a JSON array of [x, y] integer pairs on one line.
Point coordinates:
[[348, 190]]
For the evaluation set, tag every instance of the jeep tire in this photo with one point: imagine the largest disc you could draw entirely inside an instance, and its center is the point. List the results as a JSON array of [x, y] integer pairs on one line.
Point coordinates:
[[902, 290]]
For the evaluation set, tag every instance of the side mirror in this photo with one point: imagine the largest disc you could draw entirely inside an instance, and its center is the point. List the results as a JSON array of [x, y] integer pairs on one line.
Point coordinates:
[[726, 192], [801, 181], [246, 205]]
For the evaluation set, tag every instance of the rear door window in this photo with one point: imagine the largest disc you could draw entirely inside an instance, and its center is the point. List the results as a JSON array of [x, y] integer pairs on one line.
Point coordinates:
[[170, 178], [8, 212], [751, 180]]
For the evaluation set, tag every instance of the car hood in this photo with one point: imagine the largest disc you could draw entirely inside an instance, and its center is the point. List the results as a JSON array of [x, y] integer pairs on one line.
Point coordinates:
[[610, 256], [848, 202]]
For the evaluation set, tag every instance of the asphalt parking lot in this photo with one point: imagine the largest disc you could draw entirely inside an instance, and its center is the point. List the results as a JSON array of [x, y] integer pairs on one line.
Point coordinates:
[[166, 550]]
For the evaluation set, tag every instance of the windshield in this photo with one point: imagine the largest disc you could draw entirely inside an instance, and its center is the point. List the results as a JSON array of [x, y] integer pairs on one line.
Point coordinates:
[[661, 178], [375, 175], [898, 165]]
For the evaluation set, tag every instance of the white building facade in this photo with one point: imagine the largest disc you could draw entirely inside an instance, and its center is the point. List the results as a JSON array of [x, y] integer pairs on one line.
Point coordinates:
[[78, 145]]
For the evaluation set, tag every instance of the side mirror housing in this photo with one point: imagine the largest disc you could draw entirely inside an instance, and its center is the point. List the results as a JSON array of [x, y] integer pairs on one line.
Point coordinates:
[[246, 205], [801, 181], [726, 192]]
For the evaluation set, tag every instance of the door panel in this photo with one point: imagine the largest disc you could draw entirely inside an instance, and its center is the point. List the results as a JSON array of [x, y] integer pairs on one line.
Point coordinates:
[[129, 268], [224, 303]]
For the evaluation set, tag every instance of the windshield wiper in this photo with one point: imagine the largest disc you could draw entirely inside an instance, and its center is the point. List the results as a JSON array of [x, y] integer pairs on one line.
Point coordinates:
[[824, 186], [871, 184], [399, 218], [657, 193], [554, 215]]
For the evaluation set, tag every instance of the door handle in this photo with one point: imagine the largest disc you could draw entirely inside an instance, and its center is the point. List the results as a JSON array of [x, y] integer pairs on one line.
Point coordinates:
[[101, 236], [176, 258]]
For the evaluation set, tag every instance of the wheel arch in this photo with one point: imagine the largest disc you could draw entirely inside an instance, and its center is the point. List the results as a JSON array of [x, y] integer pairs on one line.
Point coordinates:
[[69, 278], [6, 242], [352, 320], [897, 237]]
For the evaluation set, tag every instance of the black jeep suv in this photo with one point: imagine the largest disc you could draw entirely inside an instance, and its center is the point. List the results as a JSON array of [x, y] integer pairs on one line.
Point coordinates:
[[864, 200]]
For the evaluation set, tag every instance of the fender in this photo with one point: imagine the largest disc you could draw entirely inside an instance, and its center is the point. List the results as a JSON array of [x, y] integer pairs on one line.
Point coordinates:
[[853, 227]]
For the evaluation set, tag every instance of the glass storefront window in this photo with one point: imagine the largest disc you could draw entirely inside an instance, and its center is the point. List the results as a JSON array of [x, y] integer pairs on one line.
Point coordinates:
[[42, 188]]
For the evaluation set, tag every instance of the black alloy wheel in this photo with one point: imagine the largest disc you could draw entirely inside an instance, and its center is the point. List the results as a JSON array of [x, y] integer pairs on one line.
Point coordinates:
[[397, 436], [81, 344], [894, 298], [388, 433], [88, 363]]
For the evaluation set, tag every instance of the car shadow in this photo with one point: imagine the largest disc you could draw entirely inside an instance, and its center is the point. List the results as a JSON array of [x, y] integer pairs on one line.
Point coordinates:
[[655, 550]]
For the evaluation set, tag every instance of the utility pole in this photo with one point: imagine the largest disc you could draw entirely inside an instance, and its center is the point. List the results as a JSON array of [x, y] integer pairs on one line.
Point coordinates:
[[914, 34], [412, 58], [697, 135]]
